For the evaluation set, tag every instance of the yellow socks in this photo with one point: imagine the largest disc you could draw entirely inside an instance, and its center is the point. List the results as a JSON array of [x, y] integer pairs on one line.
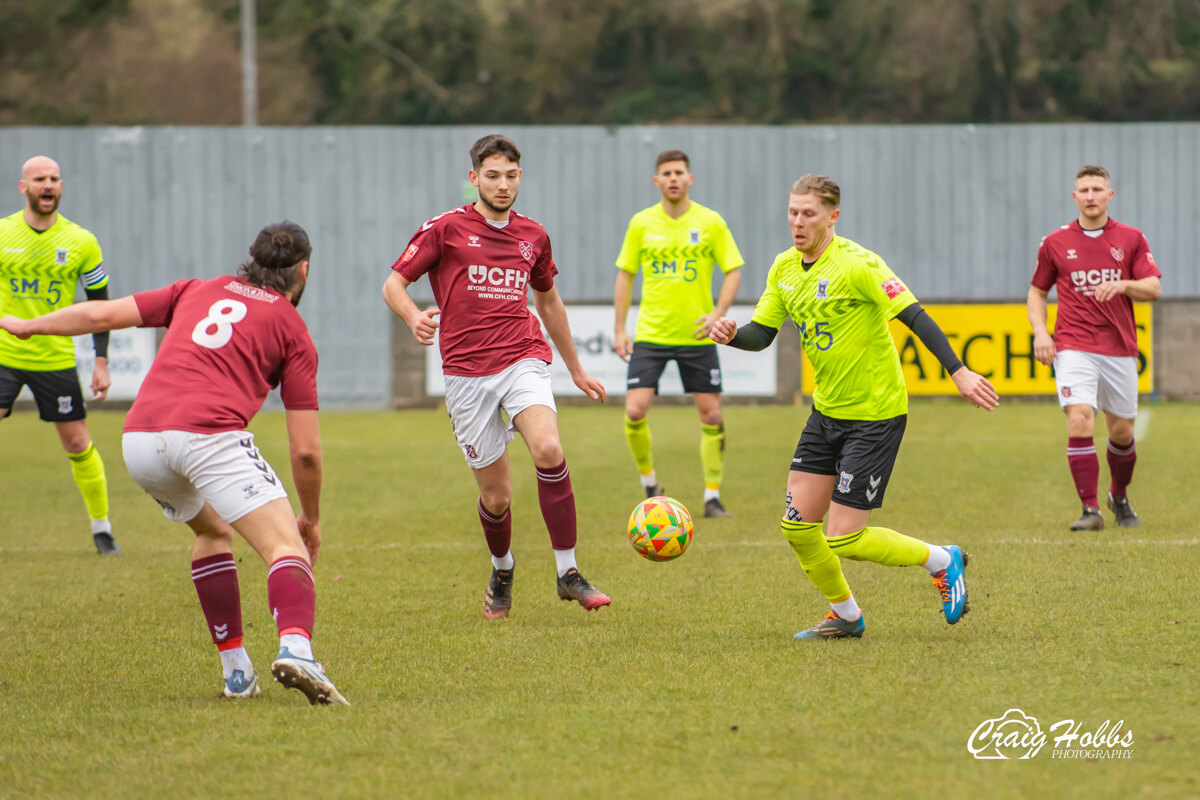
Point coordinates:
[[88, 470], [882, 546], [818, 560], [638, 436], [712, 454]]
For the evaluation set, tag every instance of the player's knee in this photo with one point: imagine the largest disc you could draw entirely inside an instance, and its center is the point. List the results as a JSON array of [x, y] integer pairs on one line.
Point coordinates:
[[76, 443], [547, 452], [495, 501]]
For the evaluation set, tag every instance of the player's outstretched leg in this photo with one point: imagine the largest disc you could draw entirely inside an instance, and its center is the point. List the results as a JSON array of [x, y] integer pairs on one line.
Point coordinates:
[[293, 600], [893, 549]]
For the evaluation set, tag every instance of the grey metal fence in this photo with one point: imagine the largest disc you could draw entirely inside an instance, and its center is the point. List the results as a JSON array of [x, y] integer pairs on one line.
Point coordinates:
[[957, 210]]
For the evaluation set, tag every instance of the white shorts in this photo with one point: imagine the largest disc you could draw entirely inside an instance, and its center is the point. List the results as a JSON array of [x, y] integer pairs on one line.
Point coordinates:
[[481, 408], [1107, 383], [183, 470]]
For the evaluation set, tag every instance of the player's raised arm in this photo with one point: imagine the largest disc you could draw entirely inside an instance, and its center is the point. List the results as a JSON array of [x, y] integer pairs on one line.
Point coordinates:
[[88, 317], [422, 323], [554, 316]]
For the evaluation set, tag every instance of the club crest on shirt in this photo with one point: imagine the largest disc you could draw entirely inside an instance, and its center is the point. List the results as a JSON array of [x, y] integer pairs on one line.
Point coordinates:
[[409, 254], [823, 289], [526, 251], [61, 256], [693, 236], [893, 288], [1118, 253], [844, 482]]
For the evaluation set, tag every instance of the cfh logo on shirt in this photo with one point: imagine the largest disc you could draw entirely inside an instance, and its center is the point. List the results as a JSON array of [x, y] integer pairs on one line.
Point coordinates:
[[1094, 277], [497, 276], [1017, 735]]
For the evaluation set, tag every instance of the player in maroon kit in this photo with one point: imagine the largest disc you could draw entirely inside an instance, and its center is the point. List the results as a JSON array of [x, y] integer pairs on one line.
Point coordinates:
[[1100, 267], [480, 259], [229, 341]]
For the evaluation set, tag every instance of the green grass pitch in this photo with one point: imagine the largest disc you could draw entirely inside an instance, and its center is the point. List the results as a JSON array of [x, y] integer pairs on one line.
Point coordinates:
[[689, 685]]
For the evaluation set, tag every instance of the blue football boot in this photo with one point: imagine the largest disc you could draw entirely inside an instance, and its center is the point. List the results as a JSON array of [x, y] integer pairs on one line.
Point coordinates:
[[951, 584]]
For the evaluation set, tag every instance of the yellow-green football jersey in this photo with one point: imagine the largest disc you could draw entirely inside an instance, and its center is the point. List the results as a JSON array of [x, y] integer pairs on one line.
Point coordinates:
[[676, 257], [38, 274], [841, 305]]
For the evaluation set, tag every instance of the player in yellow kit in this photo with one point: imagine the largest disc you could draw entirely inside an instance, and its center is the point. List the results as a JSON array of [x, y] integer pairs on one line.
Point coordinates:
[[676, 244], [42, 256], [841, 297]]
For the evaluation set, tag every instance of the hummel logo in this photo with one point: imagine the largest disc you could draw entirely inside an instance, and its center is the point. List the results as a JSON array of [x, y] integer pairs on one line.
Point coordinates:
[[1071, 254], [221, 631], [874, 482], [785, 287]]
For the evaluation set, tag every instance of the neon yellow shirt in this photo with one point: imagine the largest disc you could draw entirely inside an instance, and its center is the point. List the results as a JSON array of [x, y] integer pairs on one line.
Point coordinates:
[[38, 273], [676, 257], [842, 305]]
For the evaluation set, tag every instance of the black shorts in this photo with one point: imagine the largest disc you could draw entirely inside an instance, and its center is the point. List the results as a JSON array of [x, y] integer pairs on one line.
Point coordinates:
[[861, 453], [58, 393], [698, 365]]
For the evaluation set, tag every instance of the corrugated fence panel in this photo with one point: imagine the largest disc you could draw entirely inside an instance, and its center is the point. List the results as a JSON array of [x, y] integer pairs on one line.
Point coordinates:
[[958, 211]]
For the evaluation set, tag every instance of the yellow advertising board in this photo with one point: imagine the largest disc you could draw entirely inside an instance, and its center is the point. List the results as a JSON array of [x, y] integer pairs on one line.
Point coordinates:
[[997, 342]]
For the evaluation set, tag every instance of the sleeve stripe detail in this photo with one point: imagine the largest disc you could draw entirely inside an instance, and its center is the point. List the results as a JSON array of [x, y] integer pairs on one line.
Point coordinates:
[[95, 278]]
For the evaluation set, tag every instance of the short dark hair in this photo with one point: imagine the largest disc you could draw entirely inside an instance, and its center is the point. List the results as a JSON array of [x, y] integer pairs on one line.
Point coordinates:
[[494, 144], [1093, 170], [819, 186], [667, 156], [275, 257]]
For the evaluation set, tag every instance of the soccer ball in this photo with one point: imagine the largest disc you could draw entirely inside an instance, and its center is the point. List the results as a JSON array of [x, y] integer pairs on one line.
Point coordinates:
[[660, 528]]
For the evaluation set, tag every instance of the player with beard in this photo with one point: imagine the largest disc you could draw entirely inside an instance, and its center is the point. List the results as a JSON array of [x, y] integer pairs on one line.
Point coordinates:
[[42, 257], [1100, 268], [480, 259], [229, 341]]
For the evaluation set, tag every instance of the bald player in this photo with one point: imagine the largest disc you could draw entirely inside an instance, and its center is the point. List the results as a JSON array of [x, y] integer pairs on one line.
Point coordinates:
[[42, 257]]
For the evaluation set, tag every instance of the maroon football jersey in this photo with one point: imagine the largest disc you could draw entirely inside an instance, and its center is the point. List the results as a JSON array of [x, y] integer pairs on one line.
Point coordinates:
[[1077, 263], [228, 343], [480, 274]]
